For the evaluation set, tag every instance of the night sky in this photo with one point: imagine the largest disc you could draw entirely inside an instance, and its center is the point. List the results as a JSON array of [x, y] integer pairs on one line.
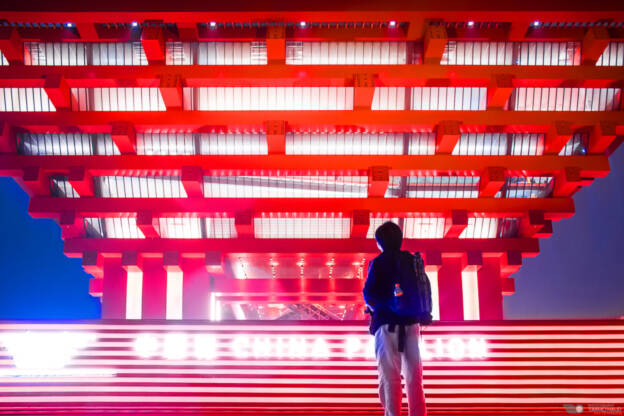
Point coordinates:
[[577, 275]]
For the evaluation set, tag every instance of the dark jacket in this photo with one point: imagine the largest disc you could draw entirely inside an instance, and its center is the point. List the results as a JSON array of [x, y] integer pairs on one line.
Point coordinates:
[[379, 288]]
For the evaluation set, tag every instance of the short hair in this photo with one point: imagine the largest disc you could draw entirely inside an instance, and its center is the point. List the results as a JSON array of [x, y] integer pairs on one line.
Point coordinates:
[[389, 236]]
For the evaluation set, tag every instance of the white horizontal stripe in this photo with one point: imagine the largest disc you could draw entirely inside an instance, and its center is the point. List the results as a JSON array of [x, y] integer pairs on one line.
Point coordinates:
[[371, 381], [321, 400], [361, 356], [359, 372], [302, 390], [306, 327], [343, 363]]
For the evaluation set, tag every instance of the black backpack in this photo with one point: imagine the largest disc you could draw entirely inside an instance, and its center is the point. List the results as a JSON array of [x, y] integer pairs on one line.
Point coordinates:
[[415, 300]]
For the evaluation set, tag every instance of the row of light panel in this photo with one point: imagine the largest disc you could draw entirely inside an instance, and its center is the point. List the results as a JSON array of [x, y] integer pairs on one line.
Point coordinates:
[[481, 144], [531, 53]]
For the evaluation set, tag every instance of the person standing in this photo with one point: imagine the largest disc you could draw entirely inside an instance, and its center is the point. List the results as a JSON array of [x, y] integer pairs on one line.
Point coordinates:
[[397, 294]]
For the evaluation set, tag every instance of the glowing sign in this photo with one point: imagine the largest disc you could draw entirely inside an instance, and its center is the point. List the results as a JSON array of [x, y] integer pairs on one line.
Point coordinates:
[[49, 352], [208, 347], [45, 353]]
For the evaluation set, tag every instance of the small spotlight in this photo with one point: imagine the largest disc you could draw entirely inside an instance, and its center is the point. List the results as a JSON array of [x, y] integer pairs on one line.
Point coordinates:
[[213, 24], [302, 24], [536, 23], [69, 24], [392, 23], [470, 23], [134, 24]]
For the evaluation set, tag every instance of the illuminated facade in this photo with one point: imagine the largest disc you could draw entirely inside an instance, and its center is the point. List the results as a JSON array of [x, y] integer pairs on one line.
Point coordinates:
[[234, 164]]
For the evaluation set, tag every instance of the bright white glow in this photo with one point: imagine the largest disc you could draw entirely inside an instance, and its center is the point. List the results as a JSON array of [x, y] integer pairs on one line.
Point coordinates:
[[359, 143], [175, 346], [353, 345], [347, 53], [286, 186], [139, 187], [392, 23], [135, 24], [146, 345], [480, 228], [218, 310], [25, 99], [216, 53], [180, 227], [240, 346], [435, 298], [69, 24], [205, 347], [213, 24], [239, 313], [42, 352], [134, 294], [117, 99], [267, 98], [536, 23], [302, 24], [470, 23], [565, 99], [455, 348], [320, 349], [315, 227], [174, 295], [261, 347], [470, 294]]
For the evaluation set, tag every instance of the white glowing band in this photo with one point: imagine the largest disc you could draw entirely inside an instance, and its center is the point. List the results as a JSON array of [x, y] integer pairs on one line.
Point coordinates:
[[44, 352], [49, 352], [206, 347]]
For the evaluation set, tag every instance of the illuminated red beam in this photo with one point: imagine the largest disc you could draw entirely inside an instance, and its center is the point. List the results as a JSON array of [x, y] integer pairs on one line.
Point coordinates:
[[76, 247], [324, 11], [268, 165], [314, 75], [554, 208], [361, 120]]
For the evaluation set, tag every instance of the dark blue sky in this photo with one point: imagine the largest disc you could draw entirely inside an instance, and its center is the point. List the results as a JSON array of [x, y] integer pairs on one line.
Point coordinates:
[[578, 273]]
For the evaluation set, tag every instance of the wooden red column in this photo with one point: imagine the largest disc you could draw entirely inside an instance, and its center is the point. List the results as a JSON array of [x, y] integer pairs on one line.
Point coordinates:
[[450, 289], [490, 290], [154, 291], [114, 289]]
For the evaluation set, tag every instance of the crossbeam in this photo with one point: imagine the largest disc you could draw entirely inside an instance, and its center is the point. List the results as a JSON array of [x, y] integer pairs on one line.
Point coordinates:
[[189, 247], [362, 120], [44, 207], [312, 75], [271, 165]]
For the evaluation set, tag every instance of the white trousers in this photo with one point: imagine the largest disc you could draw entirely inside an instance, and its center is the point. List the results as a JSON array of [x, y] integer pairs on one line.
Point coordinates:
[[391, 363]]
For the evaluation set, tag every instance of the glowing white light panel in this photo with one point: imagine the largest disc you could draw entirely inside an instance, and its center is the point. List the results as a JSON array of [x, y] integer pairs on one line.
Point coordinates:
[[268, 98], [480, 228], [433, 187], [139, 187], [346, 53], [117, 99], [326, 225], [66, 144], [216, 53], [360, 143], [430, 98], [613, 55], [112, 228], [83, 53], [25, 99], [565, 99], [285, 186], [511, 53]]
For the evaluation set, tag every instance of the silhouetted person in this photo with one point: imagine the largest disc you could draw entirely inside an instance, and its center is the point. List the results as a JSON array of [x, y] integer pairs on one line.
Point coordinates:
[[396, 307]]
